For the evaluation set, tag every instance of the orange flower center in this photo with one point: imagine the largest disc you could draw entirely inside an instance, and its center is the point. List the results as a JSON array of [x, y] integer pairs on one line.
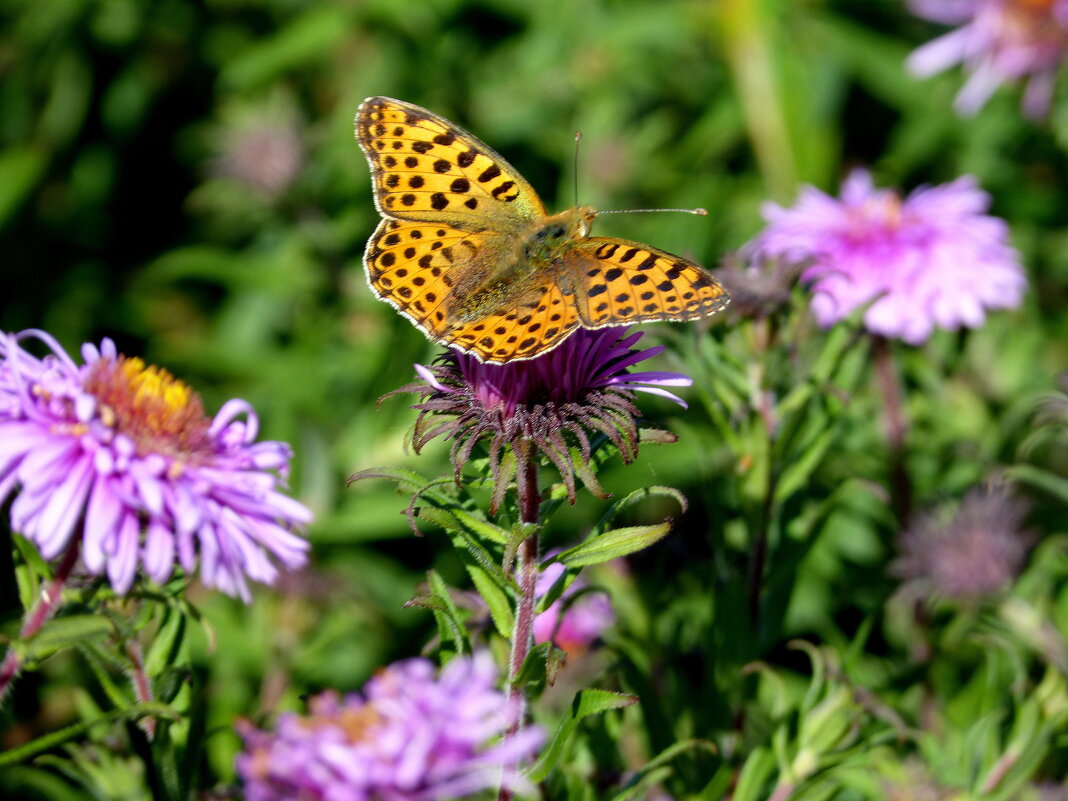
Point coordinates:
[[355, 721], [150, 406]]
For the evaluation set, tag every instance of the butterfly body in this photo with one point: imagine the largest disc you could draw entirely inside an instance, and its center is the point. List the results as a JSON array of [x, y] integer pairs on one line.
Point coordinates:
[[468, 253]]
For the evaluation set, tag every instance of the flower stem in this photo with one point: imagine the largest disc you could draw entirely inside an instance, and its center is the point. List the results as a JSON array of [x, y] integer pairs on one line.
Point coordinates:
[[527, 576], [141, 685], [896, 429], [38, 615], [764, 401]]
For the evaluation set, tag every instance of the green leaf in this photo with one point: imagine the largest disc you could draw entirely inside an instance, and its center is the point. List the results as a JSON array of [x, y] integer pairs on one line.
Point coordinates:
[[52, 739], [66, 632], [614, 544], [445, 612], [586, 703], [1042, 479], [653, 771], [462, 539], [408, 480], [496, 600], [21, 167], [798, 471], [99, 659], [754, 775], [480, 527], [29, 574], [655, 491]]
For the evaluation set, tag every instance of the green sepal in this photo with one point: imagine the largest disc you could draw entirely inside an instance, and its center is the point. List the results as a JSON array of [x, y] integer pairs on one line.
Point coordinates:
[[166, 644], [541, 667]]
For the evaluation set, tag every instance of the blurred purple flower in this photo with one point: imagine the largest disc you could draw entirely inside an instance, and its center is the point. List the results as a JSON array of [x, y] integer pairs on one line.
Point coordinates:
[[411, 736], [998, 41], [572, 626], [758, 288], [932, 260], [121, 458], [580, 388], [975, 553], [263, 152]]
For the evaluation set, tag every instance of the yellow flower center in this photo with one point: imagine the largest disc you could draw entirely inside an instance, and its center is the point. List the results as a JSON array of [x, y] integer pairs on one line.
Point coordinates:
[[150, 406], [355, 721]]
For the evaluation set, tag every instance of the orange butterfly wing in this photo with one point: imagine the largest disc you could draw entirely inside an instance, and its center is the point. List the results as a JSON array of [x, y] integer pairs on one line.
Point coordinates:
[[528, 330], [424, 168], [617, 282]]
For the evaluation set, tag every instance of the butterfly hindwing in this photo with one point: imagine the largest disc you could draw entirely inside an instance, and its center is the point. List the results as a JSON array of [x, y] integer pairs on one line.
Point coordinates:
[[425, 168], [618, 282], [414, 266], [528, 329]]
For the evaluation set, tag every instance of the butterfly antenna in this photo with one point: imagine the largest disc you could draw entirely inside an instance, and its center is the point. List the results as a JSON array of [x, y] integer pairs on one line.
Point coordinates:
[[699, 212], [578, 140]]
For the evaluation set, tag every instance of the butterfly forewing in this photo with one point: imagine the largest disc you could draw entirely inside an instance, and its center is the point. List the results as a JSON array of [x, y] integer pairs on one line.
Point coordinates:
[[425, 168], [617, 282]]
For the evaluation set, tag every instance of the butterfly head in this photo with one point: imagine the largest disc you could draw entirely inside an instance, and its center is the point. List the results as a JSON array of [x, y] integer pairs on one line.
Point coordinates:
[[575, 223], [554, 235]]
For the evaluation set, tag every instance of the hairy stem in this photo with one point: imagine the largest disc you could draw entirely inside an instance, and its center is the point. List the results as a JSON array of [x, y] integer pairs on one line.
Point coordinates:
[[527, 576], [46, 606], [896, 429], [141, 685]]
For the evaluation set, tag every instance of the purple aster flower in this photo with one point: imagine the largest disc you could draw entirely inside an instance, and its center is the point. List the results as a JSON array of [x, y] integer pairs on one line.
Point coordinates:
[[932, 260], [998, 41], [573, 625], [121, 460], [973, 554], [548, 404], [411, 736]]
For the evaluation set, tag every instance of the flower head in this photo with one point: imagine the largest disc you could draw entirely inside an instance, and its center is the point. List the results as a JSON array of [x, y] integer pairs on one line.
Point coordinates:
[[120, 459], [549, 404], [260, 148], [934, 259], [998, 41], [976, 553], [412, 736], [573, 625], [758, 288]]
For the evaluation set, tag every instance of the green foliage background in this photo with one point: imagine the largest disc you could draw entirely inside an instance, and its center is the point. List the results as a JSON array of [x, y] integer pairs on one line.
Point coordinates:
[[125, 211]]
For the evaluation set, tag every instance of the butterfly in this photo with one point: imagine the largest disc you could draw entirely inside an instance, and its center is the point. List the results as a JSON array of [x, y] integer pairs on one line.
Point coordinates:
[[468, 253]]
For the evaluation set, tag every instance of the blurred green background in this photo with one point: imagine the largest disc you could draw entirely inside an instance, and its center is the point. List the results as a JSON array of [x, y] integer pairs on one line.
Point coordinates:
[[182, 177]]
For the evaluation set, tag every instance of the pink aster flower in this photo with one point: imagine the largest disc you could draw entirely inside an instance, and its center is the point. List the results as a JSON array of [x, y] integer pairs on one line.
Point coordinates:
[[119, 459], [572, 626], [934, 259], [998, 41], [412, 735], [581, 388]]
